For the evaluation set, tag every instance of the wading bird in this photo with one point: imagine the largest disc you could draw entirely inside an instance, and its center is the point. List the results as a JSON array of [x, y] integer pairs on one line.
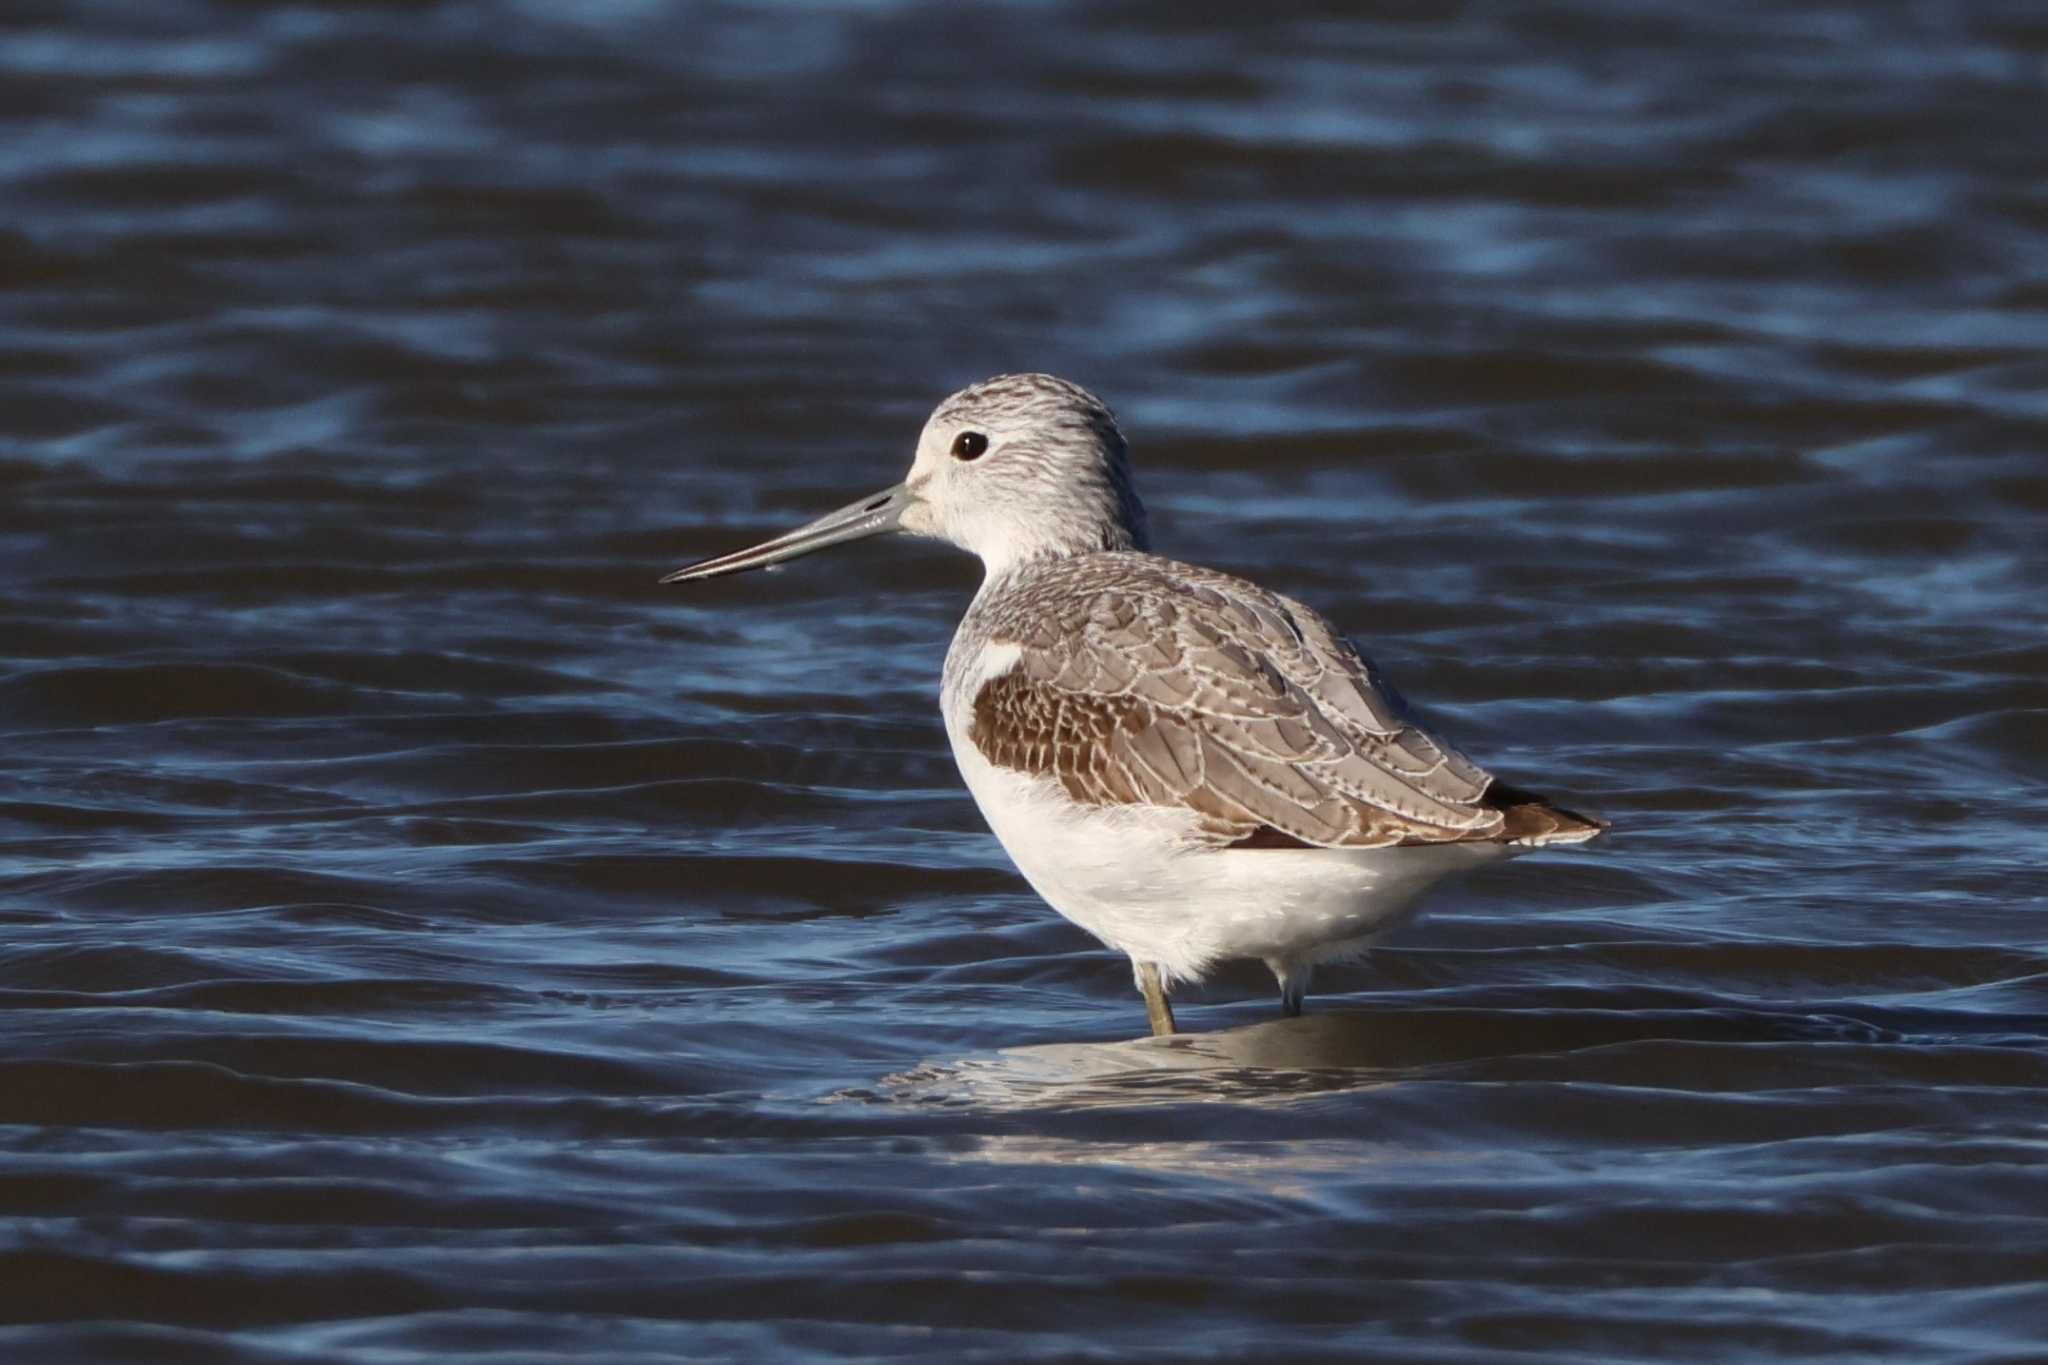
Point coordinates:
[[1188, 766]]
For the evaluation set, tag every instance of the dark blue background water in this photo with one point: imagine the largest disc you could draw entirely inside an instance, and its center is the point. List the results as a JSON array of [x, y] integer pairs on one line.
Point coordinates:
[[423, 938]]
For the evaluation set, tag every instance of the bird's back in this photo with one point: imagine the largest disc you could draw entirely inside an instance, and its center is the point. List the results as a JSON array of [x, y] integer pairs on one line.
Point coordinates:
[[1135, 680]]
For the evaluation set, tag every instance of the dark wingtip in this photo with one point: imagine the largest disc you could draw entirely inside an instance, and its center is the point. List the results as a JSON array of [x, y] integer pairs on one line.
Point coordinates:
[[1527, 818]]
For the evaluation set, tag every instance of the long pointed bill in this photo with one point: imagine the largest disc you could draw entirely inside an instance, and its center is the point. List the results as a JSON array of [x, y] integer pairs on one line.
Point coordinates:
[[871, 516]]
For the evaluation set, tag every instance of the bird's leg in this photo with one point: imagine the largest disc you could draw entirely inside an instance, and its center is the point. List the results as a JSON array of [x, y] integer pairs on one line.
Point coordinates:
[[1293, 978], [1156, 1007]]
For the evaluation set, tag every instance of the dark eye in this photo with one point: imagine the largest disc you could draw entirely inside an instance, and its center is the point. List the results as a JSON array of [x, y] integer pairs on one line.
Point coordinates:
[[969, 445]]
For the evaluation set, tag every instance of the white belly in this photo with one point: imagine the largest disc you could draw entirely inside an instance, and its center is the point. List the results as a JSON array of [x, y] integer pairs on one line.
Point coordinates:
[[1133, 877]]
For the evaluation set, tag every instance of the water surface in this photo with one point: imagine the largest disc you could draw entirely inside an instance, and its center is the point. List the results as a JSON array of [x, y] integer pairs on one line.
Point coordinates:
[[424, 938]]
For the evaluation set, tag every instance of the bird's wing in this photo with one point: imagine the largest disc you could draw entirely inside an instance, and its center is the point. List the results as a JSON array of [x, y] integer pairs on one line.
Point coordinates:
[[1148, 683]]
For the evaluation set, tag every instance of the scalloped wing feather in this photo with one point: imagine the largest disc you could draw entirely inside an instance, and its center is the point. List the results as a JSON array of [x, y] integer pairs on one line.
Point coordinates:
[[1140, 681]]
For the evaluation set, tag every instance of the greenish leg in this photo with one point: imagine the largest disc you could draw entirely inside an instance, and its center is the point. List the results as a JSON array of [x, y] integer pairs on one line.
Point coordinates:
[[1156, 1007]]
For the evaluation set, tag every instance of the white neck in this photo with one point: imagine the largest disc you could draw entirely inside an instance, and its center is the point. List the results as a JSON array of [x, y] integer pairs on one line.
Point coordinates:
[[1005, 553]]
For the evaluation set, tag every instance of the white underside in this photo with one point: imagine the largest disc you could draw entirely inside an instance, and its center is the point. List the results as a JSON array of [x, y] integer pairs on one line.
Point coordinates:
[[1136, 877]]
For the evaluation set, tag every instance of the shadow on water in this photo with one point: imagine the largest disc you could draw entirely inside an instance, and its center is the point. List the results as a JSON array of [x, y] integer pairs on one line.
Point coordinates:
[[1666, 1048]]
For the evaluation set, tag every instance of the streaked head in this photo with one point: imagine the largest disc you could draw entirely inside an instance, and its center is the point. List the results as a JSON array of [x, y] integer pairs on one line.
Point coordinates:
[[1015, 468]]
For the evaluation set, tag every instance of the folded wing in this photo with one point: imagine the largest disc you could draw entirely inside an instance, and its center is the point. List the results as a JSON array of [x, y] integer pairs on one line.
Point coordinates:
[[1140, 682]]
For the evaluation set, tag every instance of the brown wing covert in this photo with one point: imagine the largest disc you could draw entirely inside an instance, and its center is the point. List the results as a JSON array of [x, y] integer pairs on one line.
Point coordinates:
[[1141, 682]]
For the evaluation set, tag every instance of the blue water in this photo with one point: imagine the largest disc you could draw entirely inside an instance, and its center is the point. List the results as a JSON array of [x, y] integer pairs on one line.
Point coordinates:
[[423, 938]]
